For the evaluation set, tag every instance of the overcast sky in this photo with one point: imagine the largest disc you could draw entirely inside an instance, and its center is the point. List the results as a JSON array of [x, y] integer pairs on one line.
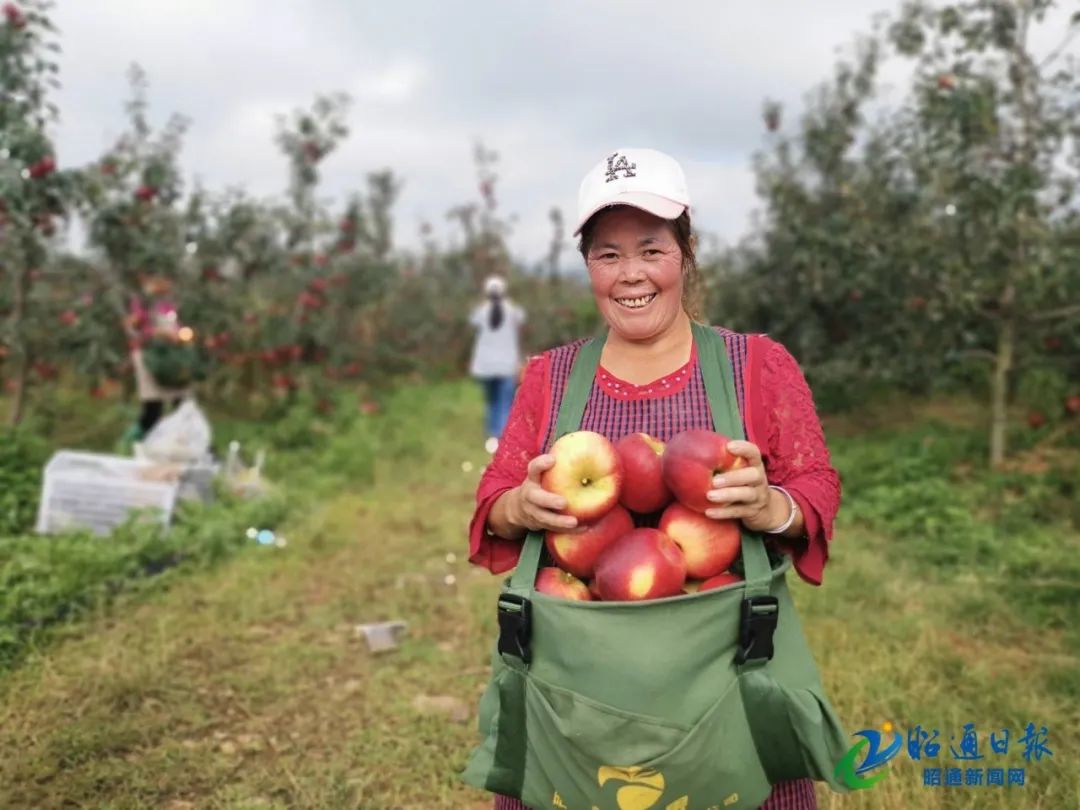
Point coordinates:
[[552, 87]]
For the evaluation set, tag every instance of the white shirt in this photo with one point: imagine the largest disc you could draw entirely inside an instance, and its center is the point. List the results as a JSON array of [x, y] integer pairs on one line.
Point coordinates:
[[496, 352]]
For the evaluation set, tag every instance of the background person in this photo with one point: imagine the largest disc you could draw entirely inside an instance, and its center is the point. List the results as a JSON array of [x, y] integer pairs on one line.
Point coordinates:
[[496, 355], [154, 314]]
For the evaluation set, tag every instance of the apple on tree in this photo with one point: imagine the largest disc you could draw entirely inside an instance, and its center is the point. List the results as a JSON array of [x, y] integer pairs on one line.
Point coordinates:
[[690, 462], [587, 473]]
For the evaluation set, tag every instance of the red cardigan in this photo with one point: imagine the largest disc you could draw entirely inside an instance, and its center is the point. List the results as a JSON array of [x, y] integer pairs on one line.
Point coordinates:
[[782, 422]]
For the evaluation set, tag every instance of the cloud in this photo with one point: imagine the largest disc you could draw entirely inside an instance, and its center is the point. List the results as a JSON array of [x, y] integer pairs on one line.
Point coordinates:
[[551, 86], [396, 83]]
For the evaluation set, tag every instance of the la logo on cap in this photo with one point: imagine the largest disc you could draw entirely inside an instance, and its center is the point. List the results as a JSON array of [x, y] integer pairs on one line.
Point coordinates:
[[642, 178], [619, 163]]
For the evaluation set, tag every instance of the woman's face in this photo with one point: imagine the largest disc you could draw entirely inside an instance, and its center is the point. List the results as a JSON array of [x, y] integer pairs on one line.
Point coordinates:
[[635, 266]]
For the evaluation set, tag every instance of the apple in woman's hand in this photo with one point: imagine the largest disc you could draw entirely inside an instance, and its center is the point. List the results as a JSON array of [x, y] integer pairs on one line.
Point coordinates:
[[690, 462], [643, 490], [577, 551], [587, 473], [709, 546]]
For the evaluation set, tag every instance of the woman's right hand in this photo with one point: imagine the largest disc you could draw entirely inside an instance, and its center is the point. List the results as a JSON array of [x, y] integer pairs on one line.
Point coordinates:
[[534, 508]]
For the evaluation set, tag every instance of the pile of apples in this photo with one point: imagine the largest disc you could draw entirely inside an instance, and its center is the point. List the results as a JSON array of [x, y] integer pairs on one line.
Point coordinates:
[[605, 484]]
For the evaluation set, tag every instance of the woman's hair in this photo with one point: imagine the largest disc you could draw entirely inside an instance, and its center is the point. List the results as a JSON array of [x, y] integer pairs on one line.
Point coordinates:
[[684, 237], [495, 310]]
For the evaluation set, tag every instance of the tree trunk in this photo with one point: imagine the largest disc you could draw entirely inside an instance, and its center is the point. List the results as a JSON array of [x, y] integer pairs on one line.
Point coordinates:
[[20, 355], [1024, 77], [999, 393]]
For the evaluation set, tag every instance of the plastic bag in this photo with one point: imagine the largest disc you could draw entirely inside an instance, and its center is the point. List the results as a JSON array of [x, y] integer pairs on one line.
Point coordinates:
[[247, 482], [182, 436]]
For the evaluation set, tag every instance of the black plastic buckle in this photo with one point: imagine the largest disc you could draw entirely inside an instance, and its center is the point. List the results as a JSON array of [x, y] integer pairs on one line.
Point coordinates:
[[756, 627], [515, 625]]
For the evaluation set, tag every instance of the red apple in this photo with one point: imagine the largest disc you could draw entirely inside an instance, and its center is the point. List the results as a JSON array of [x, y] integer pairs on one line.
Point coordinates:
[[561, 584], [593, 590], [577, 553], [14, 16], [644, 564], [691, 459], [587, 473], [1072, 404], [42, 168], [708, 545], [643, 487], [1036, 419], [719, 581]]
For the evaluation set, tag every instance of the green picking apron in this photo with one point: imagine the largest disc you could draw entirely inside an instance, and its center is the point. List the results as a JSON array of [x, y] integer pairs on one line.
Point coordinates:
[[695, 702]]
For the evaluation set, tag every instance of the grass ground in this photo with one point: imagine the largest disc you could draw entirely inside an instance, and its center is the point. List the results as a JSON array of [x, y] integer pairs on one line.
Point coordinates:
[[246, 686]]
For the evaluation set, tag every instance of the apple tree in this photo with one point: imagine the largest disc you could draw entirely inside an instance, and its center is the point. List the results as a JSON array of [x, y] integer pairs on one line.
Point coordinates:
[[906, 240], [33, 194], [994, 134], [130, 200]]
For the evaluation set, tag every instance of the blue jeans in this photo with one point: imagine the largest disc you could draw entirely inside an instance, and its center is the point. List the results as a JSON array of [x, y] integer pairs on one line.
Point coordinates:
[[498, 394]]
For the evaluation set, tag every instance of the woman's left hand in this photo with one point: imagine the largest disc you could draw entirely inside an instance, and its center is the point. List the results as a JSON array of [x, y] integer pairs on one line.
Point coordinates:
[[743, 494]]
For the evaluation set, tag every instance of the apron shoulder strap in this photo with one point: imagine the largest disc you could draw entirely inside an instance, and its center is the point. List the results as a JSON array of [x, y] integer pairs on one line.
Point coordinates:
[[571, 410], [719, 379]]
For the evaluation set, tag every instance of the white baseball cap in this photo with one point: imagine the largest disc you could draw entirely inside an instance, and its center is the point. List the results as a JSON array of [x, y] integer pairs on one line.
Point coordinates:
[[495, 285], [643, 178]]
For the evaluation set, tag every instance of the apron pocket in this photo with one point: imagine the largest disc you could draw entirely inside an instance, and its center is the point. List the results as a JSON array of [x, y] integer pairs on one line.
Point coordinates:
[[585, 754], [795, 730], [489, 767]]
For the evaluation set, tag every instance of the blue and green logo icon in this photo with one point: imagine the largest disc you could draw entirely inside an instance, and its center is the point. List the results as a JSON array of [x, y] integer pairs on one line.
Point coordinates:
[[881, 750]]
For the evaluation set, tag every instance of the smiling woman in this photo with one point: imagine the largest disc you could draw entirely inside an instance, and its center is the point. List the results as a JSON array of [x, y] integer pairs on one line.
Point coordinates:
[[639, 266], [656, 371]]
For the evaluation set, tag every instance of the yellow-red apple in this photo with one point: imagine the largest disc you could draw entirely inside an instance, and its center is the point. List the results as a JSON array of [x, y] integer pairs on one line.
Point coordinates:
[[708, 545], [690, 461], [719, 581], [644, 564], [587, 473], [643, 487], [577, 552], [561, 584]]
